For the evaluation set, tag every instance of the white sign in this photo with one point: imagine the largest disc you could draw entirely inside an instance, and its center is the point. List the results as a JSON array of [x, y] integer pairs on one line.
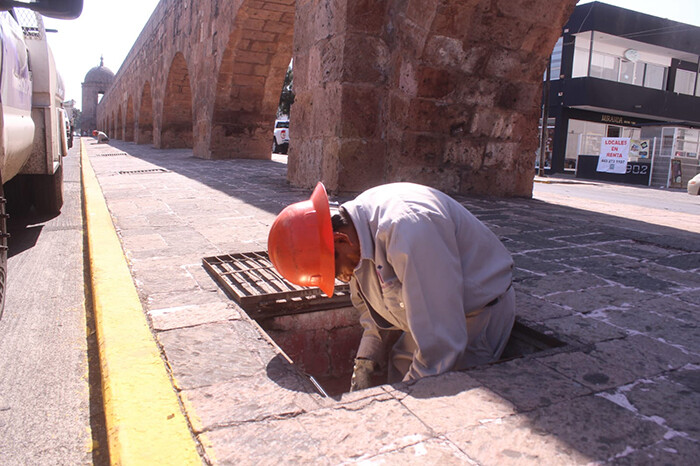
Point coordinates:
[[613, 155]]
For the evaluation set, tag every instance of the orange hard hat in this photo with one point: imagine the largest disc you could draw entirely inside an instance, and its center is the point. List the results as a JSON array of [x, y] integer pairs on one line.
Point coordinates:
[[300, 243]]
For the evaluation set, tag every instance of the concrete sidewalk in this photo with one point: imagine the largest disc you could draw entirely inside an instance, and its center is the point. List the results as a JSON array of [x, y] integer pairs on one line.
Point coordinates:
[[623, 295]]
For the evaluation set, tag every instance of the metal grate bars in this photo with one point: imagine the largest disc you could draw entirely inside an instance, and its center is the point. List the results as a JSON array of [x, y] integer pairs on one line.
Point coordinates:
[[251, 280]]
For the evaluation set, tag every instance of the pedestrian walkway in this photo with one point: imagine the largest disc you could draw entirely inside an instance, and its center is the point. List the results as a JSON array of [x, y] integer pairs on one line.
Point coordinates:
[[622, 297]]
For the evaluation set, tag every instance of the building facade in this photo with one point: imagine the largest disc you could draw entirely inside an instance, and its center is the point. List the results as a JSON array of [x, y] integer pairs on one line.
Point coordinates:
[[620, 73]]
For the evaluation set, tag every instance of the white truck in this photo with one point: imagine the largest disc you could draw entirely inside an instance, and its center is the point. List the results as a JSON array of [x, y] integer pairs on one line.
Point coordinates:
[[33, 139], [280, 138]]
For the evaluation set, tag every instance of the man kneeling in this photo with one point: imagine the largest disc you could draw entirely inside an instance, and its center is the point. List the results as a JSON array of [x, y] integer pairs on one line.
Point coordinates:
[[417, 261], [101, 137]]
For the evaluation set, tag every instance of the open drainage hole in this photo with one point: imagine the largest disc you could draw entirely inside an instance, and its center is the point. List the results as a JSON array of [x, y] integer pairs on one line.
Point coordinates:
[[323, 344]]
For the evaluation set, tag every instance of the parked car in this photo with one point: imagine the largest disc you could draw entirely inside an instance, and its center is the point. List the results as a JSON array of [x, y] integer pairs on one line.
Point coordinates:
[[694, 185], [280, 140]]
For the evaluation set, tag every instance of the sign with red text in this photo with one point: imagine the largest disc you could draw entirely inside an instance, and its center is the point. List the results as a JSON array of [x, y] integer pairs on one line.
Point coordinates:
[[613, 155]]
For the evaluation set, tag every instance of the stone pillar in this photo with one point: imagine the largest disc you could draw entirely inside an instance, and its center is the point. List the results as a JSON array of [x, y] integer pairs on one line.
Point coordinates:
[[444, 93], [88, 118], [340, 75]]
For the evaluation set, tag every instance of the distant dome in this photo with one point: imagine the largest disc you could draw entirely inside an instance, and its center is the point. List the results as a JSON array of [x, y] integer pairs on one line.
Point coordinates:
[[99, 74]]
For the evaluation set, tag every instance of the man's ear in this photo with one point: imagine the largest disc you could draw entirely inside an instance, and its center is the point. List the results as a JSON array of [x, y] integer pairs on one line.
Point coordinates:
[[341, 237]]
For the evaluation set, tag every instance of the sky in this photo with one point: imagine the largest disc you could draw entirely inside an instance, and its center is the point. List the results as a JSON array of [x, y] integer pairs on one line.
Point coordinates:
[[107, 28], [110, 28]]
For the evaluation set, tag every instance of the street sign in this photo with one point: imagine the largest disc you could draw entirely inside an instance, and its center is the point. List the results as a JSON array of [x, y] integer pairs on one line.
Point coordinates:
[[614, 153]]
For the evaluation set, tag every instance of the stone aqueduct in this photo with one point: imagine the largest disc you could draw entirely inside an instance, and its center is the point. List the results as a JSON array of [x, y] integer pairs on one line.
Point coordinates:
[[441, 92]]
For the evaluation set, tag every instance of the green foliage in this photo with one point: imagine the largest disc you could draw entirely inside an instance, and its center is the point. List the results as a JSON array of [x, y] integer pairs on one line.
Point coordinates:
[[287, 96]]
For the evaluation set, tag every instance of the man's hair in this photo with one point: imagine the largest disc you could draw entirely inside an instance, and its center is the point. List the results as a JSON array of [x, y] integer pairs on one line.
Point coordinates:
[[339, 219]]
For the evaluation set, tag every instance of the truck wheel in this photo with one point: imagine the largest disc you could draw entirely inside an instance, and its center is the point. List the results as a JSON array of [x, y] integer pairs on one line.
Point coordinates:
[[275, 147], [3, 250], [19, 196], [48, 192]]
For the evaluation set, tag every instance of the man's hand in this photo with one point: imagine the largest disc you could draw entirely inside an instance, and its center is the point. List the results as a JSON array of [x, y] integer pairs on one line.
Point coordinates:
[[361, 374]]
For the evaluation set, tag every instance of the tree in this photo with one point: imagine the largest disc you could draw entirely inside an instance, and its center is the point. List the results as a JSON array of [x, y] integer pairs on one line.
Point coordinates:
[[76, 118], [287, 96]]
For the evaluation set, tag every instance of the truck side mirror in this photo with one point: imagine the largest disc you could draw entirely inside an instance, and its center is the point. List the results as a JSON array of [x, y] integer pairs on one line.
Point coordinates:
[[60, 9]]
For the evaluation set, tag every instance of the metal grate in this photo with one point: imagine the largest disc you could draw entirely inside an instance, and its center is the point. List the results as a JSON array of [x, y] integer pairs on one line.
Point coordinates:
[[110, 154], [31, 23], [141, 172], [252, 281]]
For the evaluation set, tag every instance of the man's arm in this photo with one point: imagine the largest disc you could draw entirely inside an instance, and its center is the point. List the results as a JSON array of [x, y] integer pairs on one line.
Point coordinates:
[[371, 346], [371, 350], [424, 254]]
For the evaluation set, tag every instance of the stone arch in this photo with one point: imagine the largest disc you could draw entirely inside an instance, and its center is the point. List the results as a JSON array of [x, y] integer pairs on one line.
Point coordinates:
[[176, 124], [145, 132], [113, 126], [249, 81], [129, 120]]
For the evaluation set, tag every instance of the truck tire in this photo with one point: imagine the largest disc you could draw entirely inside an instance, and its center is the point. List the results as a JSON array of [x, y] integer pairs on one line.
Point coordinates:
[[19, 196], [48, 192], [275, 147], [3, 251]]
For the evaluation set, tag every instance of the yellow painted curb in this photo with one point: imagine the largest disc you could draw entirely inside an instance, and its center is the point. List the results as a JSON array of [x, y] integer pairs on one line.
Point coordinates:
[[145, 424]]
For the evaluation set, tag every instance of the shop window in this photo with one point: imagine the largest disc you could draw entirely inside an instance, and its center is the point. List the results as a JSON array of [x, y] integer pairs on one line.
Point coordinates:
[[583, 138], [667, 135], [687, 142], [655, 76], [594, 134], [555, 66], [613, 131], [604, 66], [632, 72], [548, 145], [582, 48], [627, 72], [632, 133], [685, 82], [639, 68]]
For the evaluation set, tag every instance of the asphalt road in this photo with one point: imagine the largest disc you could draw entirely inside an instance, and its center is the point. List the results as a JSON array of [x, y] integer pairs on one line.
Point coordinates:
[[673, 208], [44, 386]]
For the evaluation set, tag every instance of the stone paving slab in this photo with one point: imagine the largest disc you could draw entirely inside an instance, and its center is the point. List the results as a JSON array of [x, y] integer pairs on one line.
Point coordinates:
[[593, 373], [212, 353], [192, 315], [249, 399], [459, 401], [674, 451], [667, 402], [525, 444], [537, 309], [438, 451], [625, 294], [585, 329], [643, 356], [521, 382], [601, 297]]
